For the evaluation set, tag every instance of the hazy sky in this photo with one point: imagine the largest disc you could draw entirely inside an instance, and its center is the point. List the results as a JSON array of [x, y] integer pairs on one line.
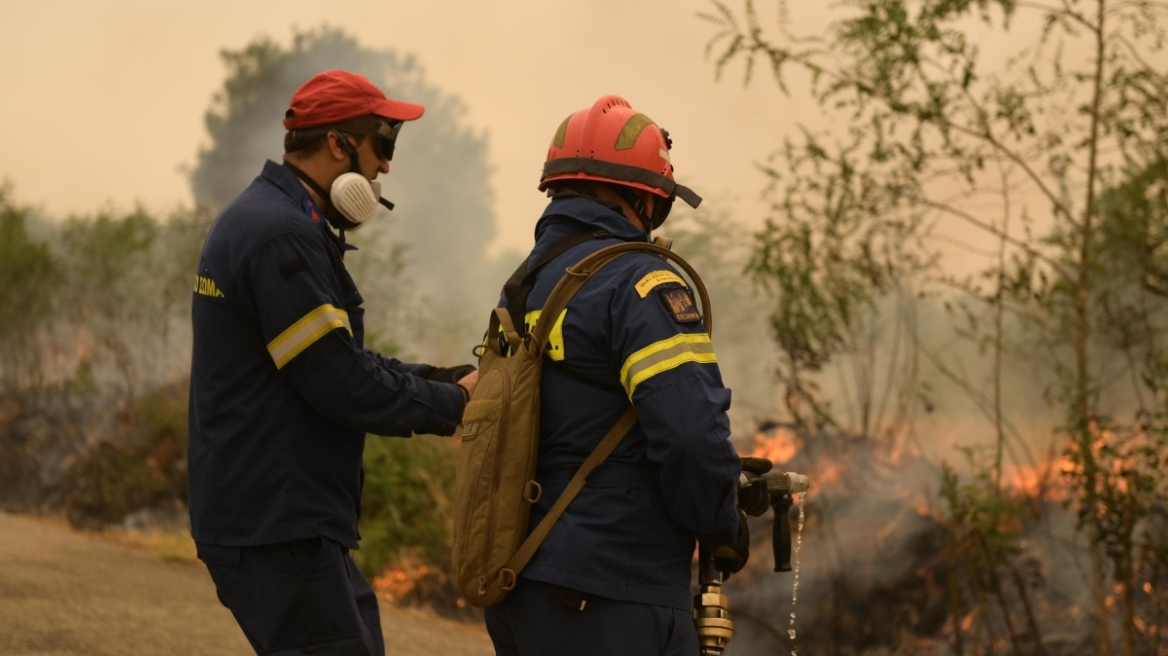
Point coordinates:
[[104, 100]]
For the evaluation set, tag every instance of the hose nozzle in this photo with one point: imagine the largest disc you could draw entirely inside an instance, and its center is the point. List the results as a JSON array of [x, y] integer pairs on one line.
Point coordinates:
[[782, 486], [781, 483]]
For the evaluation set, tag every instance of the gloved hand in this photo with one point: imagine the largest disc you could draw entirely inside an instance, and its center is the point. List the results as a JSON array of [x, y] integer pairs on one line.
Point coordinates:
[[753, 497], [447, 374], [731, 558]]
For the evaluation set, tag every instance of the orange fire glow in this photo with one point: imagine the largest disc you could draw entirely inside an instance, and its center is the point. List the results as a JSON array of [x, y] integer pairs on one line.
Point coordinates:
[[967, 621], [778, 447], [1046, 480], [400, 580]]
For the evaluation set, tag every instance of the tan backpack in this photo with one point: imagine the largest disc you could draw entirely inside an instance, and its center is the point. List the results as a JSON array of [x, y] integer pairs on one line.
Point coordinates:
[[495, 485]]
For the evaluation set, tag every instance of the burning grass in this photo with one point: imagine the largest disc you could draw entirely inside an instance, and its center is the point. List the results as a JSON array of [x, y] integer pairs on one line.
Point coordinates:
[[894, 564]]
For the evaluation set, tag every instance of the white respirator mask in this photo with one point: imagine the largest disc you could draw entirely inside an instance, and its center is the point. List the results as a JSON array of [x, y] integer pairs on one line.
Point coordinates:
[[355, 197]]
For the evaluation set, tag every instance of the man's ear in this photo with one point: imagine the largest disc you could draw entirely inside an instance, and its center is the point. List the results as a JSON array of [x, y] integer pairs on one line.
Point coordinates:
[[339, 146]]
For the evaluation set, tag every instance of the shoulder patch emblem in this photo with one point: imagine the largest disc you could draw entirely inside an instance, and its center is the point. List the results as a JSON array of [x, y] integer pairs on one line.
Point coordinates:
[[655, 278], [680, 304], [310, 207]]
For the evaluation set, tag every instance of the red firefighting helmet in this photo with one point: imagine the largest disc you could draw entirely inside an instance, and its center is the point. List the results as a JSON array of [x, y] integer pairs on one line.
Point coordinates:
[[612, 142]]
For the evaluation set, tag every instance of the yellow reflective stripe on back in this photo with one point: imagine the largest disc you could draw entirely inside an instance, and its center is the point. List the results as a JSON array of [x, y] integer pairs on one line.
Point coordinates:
[[665, 355], [555, 347], [306, 331]]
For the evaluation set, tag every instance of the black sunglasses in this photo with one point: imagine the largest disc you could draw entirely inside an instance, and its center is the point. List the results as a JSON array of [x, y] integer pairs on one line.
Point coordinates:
[[385, 138]]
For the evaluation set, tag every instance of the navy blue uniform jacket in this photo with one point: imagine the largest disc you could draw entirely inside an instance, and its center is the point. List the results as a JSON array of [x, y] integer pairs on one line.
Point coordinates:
[[282, 389], [632, 332]]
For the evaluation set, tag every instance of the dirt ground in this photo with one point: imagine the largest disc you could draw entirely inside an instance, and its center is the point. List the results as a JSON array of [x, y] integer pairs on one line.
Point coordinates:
[[67, 593]]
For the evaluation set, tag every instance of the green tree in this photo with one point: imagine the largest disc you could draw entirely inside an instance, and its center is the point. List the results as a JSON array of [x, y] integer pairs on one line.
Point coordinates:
[[1025, 153], [27, 276], [106, 258]]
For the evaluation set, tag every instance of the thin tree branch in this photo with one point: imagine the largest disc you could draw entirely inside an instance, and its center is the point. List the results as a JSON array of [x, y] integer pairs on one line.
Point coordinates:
[[985, 135], [1035, 5], [984, 405], [1133, 51], [1079, 18], [1017, 311], [1030, 250]]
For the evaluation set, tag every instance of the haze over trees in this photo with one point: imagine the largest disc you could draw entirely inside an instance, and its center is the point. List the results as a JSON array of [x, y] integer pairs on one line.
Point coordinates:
[[1052, 167]]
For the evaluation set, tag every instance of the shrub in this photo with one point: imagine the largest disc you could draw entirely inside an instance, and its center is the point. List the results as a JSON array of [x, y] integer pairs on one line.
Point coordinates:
[[406, 516], [143, 466]]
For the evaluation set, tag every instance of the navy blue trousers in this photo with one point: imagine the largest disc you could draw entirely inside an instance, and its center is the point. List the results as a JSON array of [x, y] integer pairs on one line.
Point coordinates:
[[530, 622], [299, 598]]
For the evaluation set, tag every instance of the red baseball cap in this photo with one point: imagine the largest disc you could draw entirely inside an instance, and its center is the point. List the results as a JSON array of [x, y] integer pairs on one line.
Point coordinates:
[[336, 96]]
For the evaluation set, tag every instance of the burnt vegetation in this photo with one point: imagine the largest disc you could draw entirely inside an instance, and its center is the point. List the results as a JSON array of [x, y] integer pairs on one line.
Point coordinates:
[[972, 258]]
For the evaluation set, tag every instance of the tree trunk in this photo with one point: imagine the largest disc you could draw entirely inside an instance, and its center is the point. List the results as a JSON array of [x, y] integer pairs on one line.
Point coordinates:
[[954, 593], [1039, 650], [1082, 393]]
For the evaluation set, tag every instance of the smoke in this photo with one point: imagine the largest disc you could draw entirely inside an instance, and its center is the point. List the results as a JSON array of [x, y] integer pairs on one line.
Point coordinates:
[[882, 567]]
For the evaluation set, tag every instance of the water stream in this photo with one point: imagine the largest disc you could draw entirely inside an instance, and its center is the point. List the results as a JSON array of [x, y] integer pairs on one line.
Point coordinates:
[[795, 569]]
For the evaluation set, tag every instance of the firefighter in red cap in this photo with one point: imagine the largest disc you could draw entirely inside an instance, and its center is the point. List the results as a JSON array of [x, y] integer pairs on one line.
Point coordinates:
[[283, 391], [613, 575]]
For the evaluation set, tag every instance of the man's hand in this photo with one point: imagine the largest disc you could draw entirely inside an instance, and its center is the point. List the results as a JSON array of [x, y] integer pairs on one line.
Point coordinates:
[[469, 381], [753, 497], [732, 557], [446, 374]]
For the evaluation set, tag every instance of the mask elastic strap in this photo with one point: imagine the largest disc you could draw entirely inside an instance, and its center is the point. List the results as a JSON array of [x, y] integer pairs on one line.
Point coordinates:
[[354, 162], [335, 218]]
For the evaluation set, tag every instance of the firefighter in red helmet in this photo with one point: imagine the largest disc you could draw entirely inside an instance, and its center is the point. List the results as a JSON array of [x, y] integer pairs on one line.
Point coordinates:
[[614, 144], [613, 575]]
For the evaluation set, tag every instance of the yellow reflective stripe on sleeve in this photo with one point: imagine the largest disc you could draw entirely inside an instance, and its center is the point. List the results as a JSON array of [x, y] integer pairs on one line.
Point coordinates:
[[655, 278], [306, 331], [665, 355]]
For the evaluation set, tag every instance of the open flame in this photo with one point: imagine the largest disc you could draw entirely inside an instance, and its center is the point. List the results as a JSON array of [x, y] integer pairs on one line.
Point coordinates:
[[1044, 480], [900, 481], [778, 446], [397, 582]]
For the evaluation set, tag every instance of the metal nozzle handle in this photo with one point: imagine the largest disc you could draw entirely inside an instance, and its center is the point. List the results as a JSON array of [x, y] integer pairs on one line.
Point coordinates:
[[781, 482], [782, 486]]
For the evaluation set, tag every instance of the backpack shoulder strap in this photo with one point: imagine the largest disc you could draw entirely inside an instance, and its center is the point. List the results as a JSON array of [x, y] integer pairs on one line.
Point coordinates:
[[519, 285], [615, 434]]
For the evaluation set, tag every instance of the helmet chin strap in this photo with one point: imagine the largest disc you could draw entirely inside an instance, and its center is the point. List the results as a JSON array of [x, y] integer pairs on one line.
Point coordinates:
[[636, 202]]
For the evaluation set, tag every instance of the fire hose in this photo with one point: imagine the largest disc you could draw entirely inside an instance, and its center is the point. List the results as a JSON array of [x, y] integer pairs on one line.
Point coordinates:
[[711, 608]]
